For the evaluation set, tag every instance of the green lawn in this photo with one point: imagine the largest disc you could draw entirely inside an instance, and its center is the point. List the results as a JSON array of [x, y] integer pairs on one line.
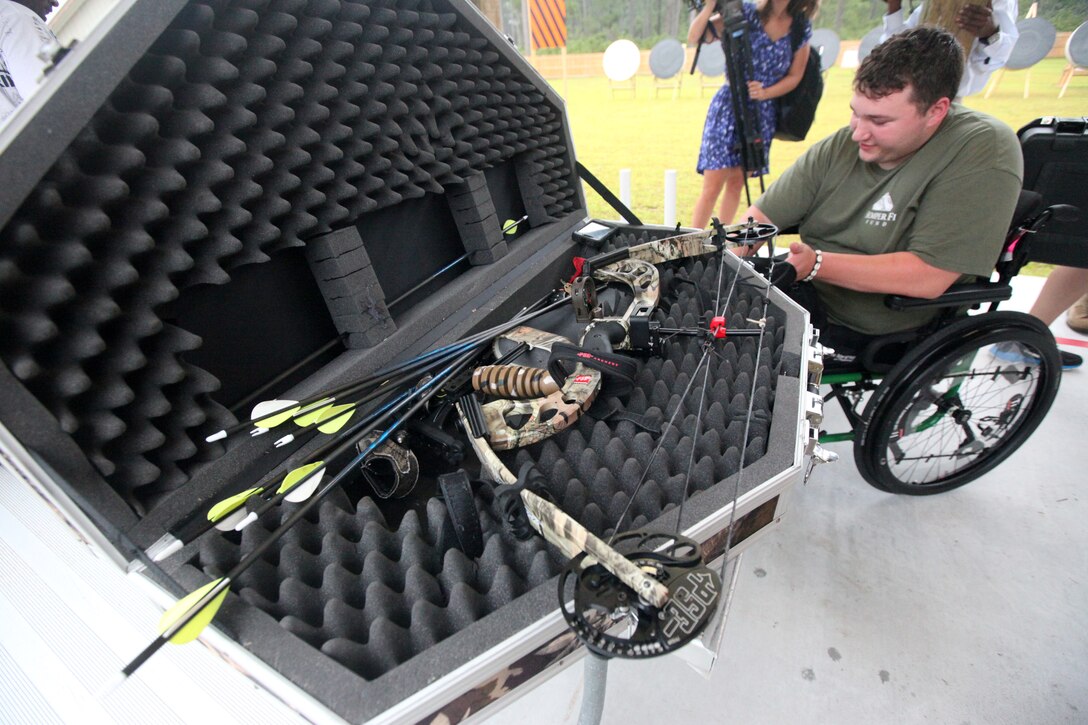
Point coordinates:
[[648, 135]]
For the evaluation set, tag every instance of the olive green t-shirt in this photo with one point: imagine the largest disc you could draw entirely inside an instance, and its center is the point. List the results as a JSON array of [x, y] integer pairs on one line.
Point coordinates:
[[950, 204]]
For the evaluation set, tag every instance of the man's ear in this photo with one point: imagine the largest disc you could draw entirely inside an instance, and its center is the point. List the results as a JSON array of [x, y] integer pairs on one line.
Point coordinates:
[[937, 112]]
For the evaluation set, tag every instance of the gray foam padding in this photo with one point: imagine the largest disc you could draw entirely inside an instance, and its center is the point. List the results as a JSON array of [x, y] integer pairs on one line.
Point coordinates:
[[374, 594], [354, 296], [477, 221], [246, 128]]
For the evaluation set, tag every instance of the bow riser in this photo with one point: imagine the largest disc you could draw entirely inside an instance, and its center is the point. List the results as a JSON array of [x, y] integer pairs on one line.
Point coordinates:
[[547, 416]]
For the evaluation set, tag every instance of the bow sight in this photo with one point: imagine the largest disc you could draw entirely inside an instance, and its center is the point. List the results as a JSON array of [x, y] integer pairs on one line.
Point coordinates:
[[635, 330]]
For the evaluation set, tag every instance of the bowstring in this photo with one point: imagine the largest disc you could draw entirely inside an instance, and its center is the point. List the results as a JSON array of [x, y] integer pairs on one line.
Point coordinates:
[[704, 359], [748, 415], [708, 347]]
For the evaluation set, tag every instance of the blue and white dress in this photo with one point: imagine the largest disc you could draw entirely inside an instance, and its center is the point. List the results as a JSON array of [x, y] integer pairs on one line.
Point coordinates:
[[771, 61]]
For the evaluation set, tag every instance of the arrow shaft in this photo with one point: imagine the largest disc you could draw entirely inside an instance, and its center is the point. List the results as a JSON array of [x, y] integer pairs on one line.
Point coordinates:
[[422, 395]]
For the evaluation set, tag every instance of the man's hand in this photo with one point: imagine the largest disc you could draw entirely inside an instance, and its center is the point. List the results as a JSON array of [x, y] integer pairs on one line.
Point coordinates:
[[978, 20], [802, 257]]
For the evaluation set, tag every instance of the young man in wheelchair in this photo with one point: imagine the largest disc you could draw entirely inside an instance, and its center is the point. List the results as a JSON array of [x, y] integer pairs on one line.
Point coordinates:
[[915, 195]]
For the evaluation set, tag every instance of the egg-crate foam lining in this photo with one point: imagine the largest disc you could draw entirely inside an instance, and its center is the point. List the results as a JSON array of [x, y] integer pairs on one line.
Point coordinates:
[[372, 594], [247, 128]]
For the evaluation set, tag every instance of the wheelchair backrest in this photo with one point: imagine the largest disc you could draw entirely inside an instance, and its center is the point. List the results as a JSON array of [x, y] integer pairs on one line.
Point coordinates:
[[1014, 252]]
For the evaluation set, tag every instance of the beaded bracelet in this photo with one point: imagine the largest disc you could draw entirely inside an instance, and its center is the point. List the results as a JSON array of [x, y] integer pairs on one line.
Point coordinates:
[[816, 267]]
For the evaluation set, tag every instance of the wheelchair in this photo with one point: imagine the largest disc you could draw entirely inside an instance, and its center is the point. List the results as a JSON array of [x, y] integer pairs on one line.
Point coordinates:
[[933, 409]]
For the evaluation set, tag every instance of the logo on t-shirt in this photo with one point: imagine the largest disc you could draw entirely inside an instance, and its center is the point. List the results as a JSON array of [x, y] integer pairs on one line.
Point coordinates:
[[882, 212]]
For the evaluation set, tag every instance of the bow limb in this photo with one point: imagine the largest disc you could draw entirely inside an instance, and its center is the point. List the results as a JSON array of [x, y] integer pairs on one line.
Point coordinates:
[[682, 246], [561, 530], [573, 538], [490, 464]]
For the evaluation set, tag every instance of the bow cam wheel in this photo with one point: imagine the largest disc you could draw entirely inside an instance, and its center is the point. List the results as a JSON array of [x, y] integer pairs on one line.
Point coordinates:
[[611, 619]]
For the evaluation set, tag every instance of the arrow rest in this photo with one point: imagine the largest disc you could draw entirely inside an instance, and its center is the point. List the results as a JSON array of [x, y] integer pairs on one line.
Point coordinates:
[[613, 621]]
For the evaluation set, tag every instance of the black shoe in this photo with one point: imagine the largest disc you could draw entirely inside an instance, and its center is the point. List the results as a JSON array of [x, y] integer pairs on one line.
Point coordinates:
[[1070, 360]]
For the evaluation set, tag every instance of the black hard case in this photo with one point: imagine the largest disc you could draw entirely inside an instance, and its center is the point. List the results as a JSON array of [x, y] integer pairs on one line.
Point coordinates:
[[1056, 166], [206, 192]]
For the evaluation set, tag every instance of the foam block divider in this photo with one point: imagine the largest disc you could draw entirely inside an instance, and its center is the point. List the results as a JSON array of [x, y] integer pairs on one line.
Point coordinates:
[[477, 221], [351, 289]]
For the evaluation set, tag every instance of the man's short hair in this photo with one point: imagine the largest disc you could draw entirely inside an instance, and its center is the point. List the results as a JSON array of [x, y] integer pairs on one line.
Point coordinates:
[[928, 59]]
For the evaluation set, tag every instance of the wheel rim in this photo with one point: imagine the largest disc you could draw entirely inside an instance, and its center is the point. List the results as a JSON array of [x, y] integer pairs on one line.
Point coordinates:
[[964, 414]]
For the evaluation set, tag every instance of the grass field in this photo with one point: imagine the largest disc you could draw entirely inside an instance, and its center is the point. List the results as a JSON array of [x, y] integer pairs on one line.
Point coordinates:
[[649, 135]]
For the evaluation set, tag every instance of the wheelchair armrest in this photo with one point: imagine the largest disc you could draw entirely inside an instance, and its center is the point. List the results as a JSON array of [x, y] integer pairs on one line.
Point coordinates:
[[957, 295]]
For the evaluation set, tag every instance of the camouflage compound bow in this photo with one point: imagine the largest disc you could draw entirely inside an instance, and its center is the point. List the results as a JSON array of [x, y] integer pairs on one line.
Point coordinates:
[[659, 584]]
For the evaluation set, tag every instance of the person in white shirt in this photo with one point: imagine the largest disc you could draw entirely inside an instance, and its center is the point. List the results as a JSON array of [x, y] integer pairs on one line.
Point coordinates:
[[993, 25], [23, 32]]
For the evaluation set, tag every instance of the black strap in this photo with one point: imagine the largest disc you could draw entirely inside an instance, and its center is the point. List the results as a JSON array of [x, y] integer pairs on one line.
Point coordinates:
[[797, 31], [461, 506], [606, 194], [649, 423], [620, 368]]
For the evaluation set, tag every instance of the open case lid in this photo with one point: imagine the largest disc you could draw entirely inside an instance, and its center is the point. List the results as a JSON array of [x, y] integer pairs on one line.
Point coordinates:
[[161, 187]]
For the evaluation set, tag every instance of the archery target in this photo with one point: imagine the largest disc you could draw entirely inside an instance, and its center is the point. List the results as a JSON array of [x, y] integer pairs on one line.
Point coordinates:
[[667, 58], [711, 60], [825, 41], [621, 60], [1037, 37], [1076, 48], [869, 41]]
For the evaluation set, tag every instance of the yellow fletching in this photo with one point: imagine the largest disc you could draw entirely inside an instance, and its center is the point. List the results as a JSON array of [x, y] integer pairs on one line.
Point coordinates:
[[297, 475], [312, 414], [334, 418], [197, 624], [227, 505], [277, 418]]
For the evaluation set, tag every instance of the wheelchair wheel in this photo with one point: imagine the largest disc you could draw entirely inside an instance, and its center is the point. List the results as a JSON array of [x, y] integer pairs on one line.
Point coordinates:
[[959, 404]]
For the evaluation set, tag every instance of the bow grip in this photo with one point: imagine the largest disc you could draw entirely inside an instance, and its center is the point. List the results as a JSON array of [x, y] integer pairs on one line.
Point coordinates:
[[604, 336]]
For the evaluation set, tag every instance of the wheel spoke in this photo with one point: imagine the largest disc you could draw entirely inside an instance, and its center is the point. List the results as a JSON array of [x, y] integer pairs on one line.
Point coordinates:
[[964, 412]]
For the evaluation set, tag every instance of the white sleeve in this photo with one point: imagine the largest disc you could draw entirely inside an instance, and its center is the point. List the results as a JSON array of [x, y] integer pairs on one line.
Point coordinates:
[[893, 22], [21, 44], [988, 58]]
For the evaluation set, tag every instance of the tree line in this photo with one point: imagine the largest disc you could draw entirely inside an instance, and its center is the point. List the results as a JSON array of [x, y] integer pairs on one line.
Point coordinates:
[[593, 24]]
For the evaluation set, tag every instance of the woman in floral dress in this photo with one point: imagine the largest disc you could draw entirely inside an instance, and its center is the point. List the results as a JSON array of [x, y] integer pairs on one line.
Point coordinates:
[[777, 70]]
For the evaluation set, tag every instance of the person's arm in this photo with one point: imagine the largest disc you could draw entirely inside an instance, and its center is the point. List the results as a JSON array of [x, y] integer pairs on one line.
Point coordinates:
[[893, 21], [788, 82], [897, 273], [994, 24], [699, 32]]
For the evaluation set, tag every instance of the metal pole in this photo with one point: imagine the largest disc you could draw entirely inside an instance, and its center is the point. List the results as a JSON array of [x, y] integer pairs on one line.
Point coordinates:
[[596, 678], [625, 187], [670, 197]]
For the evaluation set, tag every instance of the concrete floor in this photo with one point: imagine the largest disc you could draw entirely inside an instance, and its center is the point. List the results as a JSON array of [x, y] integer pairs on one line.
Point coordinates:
[[864, 607]]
